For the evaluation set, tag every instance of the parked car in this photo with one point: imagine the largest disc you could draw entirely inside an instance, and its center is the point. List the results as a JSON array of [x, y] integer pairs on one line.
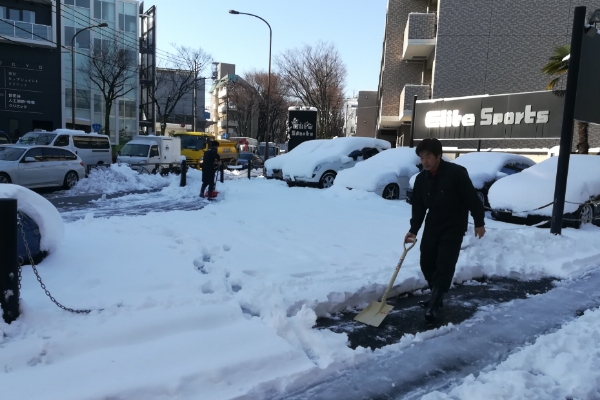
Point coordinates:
[[386, 174], [92, 148], [4, 138], [518, 198], [248, 158], [317, 162], [40, 166], [485, 168]]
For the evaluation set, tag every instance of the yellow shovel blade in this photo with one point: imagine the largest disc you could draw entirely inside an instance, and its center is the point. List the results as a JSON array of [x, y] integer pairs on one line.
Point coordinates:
[[374, 313]]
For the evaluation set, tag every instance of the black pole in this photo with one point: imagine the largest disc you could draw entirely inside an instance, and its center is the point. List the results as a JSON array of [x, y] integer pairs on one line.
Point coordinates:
[[183, 177], [222, 169], [9, 263], [250, 168], [479, 145], [566, 133], [411, 141]]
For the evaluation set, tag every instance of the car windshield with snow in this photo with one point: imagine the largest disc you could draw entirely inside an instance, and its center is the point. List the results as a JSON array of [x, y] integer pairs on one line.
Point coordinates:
[[317, 162], [386, 174], [527, 197]]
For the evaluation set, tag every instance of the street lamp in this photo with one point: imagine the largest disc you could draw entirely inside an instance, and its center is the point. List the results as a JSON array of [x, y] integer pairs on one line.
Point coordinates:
[[268, 80], [102, 25]]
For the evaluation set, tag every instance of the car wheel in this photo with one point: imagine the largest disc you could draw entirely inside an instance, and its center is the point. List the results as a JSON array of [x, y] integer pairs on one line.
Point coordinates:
[[4, 178], [326, 180], [391, 192], [586, 215], [71, 180]]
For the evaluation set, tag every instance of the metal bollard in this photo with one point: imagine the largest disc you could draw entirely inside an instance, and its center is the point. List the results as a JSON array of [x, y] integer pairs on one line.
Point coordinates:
[[249, 169], [222, 168], [183, 177], [9, 263]]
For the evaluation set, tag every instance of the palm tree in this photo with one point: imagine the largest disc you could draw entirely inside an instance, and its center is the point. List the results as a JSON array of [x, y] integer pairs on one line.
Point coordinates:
[[558, 67]]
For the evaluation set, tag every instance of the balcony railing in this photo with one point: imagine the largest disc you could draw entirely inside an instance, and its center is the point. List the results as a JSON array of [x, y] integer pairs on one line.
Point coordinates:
[[25, 30], [223, 123], [423, 92], [419, 36], [223, 108]]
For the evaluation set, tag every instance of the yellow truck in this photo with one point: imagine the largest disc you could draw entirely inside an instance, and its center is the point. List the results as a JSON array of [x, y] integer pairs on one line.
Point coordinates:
[[194, 144]]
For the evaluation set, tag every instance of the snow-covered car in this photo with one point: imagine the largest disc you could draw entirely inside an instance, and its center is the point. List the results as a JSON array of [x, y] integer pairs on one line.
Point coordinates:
[[385, 174], [521, 198], [40, 166], [317, 162], [246, 158], [485, 168]]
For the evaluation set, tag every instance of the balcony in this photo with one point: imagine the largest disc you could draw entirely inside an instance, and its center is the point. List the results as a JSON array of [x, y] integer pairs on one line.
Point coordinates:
[[223, 123], [222, 93], [26, 32], [419, 36], [422, 92], [223, 108]]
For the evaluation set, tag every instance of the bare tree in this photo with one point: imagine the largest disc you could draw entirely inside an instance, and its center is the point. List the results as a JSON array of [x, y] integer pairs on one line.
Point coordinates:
[[316, 77], [181, 75], [113, 69], [278, 104]]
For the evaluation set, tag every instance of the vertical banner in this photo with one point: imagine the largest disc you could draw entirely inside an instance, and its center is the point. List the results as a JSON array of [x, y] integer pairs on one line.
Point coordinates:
[[302, 125]]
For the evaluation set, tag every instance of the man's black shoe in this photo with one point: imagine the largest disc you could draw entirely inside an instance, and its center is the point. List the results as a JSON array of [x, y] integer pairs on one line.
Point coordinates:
[[437, 298]]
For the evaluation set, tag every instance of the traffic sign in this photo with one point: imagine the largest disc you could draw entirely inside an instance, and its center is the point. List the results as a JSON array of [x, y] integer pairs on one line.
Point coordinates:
[[96, 127]]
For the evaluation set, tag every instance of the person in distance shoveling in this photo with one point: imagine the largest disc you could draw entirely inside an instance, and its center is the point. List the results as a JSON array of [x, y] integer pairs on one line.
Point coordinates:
[[444, 192]]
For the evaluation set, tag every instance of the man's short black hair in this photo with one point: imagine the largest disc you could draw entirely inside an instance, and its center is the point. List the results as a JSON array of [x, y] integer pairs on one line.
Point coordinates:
[[431, 145], [215, 143]]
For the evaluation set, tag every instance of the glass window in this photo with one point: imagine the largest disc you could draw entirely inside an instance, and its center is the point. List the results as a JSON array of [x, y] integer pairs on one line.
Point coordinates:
[[15, 15], [82, 142], [190, 142], [127, 23], [97, 9], [67, 155], [62, 140], [70, 2], [135, 150], [154, 151], [28, 16], [51, 154], [2, 12], [82, 3], [37, 138], [83, 99], [10, 153], [108, 11], [35, 153], [82, 40]]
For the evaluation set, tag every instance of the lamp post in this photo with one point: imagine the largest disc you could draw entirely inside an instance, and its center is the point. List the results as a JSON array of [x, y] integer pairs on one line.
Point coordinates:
[[268, 80], [102, 25]]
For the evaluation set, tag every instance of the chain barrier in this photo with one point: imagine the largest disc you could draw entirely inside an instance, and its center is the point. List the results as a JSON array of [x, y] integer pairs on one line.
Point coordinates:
[[22, 230]]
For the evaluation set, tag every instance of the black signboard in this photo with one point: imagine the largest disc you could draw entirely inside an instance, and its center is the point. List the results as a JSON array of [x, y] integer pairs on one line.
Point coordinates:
[[587, 105], [302, 126], [21, 88], [520, 115]]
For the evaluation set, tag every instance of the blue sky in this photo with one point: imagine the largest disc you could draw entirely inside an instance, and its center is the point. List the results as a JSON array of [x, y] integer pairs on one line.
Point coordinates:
[[356, 27]]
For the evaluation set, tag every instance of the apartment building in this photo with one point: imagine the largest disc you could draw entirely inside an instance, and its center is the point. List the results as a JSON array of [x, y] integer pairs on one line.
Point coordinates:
[[438, 49], [350, 106]]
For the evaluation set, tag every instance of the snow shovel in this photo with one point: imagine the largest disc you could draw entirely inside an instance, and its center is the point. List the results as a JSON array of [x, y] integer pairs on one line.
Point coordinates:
[[375, 312]]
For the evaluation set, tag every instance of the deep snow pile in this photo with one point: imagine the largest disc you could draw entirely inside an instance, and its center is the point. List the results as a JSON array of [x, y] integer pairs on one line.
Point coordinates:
[[486, 167], [221, 300], [45, 215]]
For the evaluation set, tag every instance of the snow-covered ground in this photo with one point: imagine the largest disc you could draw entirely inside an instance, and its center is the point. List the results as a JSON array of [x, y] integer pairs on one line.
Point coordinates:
[[220, 302]]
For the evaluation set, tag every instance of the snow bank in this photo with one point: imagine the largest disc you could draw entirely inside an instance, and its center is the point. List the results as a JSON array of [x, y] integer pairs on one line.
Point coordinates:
[[534, 187], [303, 159], [117, 178], [44, 214], [380, 170], [561, 365], [485, 166]]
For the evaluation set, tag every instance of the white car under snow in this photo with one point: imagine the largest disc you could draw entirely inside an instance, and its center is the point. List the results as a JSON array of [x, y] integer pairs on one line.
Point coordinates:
[[385, 174], [317, 162]]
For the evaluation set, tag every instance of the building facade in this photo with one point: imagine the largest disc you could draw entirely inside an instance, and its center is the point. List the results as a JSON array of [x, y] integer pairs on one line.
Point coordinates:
[[366, 114], [183, 111], [453, 48], [30, 59], [122, 32]]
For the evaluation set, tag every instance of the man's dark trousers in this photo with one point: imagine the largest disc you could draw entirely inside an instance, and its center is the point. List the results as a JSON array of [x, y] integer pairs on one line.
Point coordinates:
[[439, 253]]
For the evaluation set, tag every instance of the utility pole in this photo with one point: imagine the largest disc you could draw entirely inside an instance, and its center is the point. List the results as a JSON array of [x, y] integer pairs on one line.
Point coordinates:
[[194, 97]]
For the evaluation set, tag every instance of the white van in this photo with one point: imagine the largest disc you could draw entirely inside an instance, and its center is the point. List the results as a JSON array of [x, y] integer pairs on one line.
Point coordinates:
[[152, 154], [92, 148]]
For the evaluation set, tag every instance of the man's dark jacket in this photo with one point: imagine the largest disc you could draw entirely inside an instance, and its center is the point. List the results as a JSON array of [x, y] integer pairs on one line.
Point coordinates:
[[208, 165], [448, 195]]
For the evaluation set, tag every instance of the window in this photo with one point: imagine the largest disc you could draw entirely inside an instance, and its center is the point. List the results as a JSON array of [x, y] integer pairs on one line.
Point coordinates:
[[67, 155], [28, 16], [37, 138], [104, 10], [91, 142], [154, 151], [82, 3], [70, 2], [82, 40], [15, 15], [35, 153], [62, 140], [3, 12], [128, 109], [51, 154], [127, 17]]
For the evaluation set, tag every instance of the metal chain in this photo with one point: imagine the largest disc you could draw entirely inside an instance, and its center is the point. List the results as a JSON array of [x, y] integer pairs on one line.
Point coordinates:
[[544, 206], [38, 275]]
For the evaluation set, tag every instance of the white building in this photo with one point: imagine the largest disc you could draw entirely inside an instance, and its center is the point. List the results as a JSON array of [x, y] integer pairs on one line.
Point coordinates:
[[350, 108]]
